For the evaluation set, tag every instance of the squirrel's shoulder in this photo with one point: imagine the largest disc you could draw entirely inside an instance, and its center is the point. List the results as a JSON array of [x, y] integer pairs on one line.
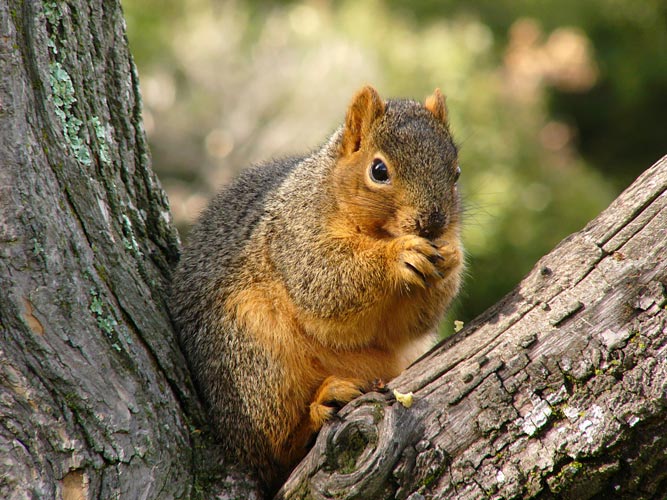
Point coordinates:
[[242, 198], [226, 224], [238, 207]]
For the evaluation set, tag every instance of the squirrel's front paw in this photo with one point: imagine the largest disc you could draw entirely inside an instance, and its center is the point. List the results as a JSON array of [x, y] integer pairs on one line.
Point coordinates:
[[452, 258], [418, 260]]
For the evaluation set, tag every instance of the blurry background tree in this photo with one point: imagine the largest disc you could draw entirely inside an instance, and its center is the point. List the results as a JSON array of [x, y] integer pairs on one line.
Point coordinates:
[[557, 105]]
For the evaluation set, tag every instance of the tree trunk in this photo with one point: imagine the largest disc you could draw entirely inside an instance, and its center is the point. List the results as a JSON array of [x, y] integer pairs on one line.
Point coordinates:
[[95, 398], [560, 390]]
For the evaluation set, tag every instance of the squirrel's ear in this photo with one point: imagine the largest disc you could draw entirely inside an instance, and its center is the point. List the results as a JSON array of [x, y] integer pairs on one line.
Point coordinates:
[[435, 103], [366, 107]]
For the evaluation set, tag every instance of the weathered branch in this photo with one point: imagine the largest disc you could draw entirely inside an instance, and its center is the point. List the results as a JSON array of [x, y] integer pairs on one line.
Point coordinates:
[[559, 389]]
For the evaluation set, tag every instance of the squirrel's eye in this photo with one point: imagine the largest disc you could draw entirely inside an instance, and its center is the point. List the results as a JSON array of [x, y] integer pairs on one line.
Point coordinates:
[[457, 173], [379, 171]]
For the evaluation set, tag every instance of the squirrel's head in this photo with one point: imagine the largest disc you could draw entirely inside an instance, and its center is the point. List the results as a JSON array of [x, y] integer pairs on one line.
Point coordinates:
[[397, 168]]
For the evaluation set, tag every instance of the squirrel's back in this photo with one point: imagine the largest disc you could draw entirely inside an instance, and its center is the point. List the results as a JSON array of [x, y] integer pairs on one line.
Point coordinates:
[[230, 217], [308, 278], [223, 360]]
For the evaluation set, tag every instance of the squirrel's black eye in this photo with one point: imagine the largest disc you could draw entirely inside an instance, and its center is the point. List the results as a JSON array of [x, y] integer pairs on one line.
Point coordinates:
[[457, 173], [379, 171]]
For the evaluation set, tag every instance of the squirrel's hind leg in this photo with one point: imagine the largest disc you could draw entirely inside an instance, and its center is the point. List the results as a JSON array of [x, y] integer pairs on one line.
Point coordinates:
[[332, 395]]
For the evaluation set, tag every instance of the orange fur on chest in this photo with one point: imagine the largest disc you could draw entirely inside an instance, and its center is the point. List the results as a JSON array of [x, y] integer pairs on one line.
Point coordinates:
[[389, 321], [376, 343], [266, 312]]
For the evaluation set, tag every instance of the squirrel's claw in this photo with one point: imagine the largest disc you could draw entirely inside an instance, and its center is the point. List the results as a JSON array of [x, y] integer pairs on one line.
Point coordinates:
[[424, 281], [419, 260], [451, 256]]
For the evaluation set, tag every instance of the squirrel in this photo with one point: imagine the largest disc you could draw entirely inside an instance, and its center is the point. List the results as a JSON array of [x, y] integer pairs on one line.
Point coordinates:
[[308, 278]]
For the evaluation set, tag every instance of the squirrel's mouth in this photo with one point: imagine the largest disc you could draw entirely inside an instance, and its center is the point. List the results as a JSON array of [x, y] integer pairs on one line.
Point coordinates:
[[388, 232], [382, 232]]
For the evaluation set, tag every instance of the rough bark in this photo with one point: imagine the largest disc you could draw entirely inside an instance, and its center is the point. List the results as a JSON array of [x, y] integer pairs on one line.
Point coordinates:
[[560, 390], [95, 399]]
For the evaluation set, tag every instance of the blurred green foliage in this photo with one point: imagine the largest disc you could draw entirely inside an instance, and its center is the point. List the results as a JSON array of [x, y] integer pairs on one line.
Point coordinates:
[[619, 124], [556, 105]]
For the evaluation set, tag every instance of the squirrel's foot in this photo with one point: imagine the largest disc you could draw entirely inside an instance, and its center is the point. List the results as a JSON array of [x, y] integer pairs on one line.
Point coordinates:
[[418, 260], [332, 395], [379, 385]]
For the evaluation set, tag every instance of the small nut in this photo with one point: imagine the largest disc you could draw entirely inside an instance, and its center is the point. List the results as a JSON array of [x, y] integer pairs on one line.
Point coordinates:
[[405, 399]]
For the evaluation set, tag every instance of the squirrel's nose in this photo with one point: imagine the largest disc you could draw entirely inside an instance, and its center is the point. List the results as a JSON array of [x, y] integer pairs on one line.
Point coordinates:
[[430, 225]]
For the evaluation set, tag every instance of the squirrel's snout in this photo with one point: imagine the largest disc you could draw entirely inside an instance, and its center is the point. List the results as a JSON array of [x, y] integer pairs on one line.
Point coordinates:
[[431, 225]]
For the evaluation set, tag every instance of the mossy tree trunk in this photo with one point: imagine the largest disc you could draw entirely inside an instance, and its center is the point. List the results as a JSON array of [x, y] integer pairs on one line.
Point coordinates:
[[558, 391], [95, 398]]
